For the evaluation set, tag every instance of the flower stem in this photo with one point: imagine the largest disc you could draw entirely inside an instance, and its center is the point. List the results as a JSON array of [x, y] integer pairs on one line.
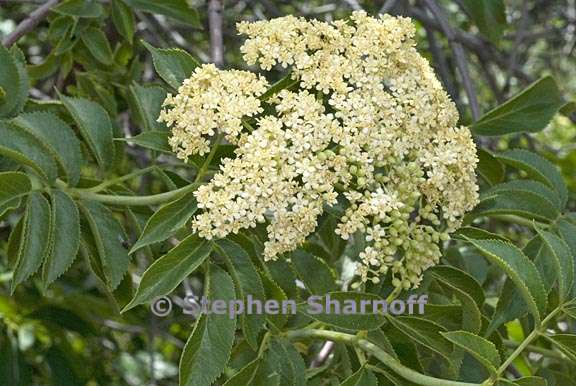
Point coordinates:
[[121, 179], [206, 164], [153, 199], [383, 356]]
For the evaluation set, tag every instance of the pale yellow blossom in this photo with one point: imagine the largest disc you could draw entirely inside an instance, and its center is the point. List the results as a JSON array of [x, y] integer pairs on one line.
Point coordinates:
[[368, 128]]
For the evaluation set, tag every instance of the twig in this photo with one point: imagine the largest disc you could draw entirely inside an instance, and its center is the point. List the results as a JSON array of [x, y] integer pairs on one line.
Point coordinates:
[[215, 9], [29, 23], [151, 354], [485, 51], [323, 355], [388, 6], [441, 64], [518, 40], [459, 56], [353, 4]]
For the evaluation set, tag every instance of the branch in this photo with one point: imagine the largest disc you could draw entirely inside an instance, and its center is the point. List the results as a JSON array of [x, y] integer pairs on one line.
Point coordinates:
[[354, 5], [441, 64], [518, 40], [29, 23], [388, 6], [459, 56], [153, 199], [323, 355], [527, 341], [485, 51], [377, 352], [215, 9]]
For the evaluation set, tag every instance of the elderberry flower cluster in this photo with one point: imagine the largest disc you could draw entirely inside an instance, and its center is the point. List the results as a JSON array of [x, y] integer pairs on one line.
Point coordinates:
[[367, 125]]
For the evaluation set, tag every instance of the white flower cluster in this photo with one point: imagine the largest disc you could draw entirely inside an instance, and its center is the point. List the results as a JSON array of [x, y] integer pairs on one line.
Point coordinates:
[[211, 100], [368, 126]]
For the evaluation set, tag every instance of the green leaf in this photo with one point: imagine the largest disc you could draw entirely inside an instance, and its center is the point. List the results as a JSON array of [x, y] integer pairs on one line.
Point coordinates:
[[519, 269], [481, 349], [23, 148], [172, 64], [476, 233], [108, 235], [275, 292], [511, 305], [168, 271], [282, 273], [531, 186], [529, 111], [347, 318], [531, 381], [316, 275], [14, 367], [489, 16], [567, 344], [467, 290], [283, 84], [80, 8], [567, 231], [246, 376], [35, 243], [62, 370], [176, 9], [66, 225], [97, 43], [21, 98], [489, 167], [153, 140], [167, 220], [287, 362], [381, 340], [538, 168], [146, 104], [562, 261], [428, 335], [208, 349], [9, 82], [13, 185], [57, 137], [123, 20], [62, 34], [91, 86], [516, 202], [248, 282], [361, 377], [95, 127]]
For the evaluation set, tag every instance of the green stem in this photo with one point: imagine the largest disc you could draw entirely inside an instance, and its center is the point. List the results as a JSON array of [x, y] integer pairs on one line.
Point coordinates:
[[247, 125], [540, 350], [383, 356], [520, 221], [264, 344], [393, 295], [153, 199], [115, 181], [527, 341], [206, 164]]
